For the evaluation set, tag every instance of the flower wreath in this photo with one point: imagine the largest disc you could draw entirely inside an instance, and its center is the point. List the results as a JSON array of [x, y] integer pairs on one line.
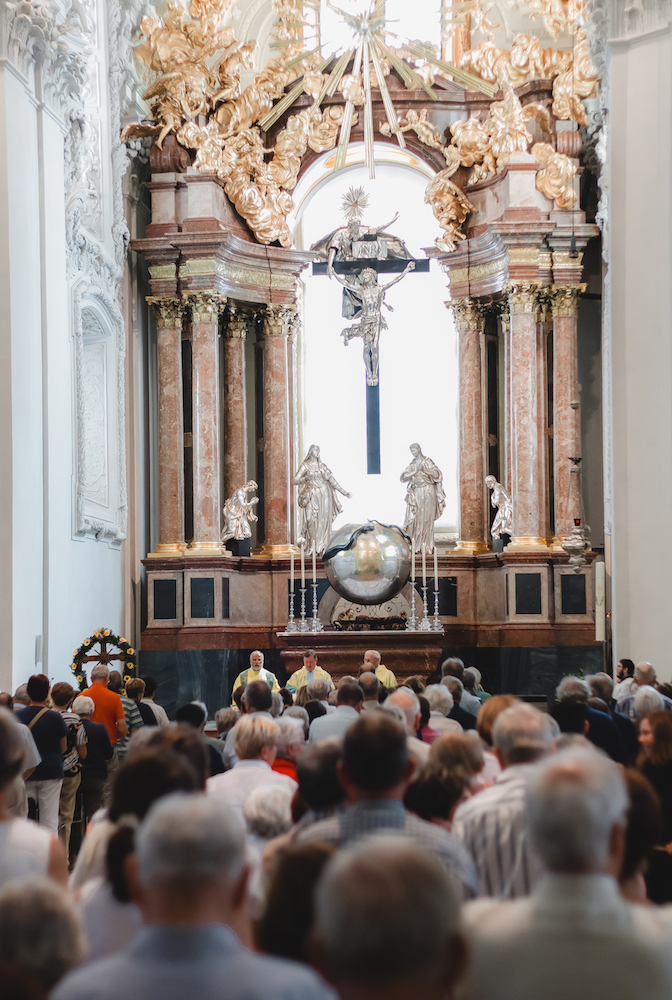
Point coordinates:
[[103, 635]]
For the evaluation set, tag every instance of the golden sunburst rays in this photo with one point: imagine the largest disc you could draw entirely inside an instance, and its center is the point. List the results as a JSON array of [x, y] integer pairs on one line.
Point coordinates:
[[354, 202]]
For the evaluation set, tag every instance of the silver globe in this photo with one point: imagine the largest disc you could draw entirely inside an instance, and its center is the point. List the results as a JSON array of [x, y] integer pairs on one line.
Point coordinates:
[[368, 563]]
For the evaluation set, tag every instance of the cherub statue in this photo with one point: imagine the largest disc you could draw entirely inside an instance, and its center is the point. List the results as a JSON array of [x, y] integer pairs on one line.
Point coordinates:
[[369, 326], [501, 500], [238, 512]]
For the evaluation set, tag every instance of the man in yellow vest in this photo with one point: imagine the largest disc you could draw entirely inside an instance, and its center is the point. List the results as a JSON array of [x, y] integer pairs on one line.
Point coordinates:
[[372, 663], [308, 672], [257, 672]]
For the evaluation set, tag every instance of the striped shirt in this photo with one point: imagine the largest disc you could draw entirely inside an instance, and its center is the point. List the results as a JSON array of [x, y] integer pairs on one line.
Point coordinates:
[[71, 757], [492, 826], [133, 721], [626, 706]]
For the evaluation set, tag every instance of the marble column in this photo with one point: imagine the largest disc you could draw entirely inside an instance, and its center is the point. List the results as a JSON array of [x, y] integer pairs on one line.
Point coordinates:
[[276, 331], [566, 410], [169, 312], [526, 491], [235, 399], [469, 320], [205, 310]]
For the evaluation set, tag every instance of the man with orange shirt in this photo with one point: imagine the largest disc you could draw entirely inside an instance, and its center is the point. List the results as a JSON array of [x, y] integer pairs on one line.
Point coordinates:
[[110, 713]]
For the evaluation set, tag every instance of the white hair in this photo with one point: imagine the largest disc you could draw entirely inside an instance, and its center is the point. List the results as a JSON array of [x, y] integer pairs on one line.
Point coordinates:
[[521, 732], [258, 652], [475, 673], [291, 732], [190, 836], [318, 689], [409, 703], [376, 654], [439, 697], [83, 705], [268, 811], [573, 690], [574, 799], [277, 704], [395, 710], [101, 671], [300, 714], [648, 700], [645, 674]]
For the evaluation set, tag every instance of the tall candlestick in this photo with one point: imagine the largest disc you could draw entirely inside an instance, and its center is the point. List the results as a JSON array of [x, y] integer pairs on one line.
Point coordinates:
[[412, 560], [436, 569], [314, 572], [424, 564], [303, 565], [291, 571]]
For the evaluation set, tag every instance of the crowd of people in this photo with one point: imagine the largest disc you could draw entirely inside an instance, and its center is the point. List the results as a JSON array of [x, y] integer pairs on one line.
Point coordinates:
[[378, 836]]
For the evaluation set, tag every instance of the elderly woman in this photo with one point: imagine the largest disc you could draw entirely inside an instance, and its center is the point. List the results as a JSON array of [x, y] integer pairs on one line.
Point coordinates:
[[255, 741], [440, 704]]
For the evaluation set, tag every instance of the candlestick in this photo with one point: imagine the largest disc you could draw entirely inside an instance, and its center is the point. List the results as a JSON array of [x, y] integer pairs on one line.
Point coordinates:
[[314, 572], [303, 565], [436, 569], [291, 570], [424, 565], [413, 560]]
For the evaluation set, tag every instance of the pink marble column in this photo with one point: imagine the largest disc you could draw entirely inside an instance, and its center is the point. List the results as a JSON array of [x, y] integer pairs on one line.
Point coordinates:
[[526, 491], [469, 321], [566, 411], [205, 310], [235, 399], [276, 331], [170, 427]]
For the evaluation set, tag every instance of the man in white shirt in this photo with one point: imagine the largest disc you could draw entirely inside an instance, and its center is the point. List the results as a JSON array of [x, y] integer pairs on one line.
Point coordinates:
[[575, 936], [645, 676], [348, 707], [493, 824], [370, 686], [159, 711], [255, 741]]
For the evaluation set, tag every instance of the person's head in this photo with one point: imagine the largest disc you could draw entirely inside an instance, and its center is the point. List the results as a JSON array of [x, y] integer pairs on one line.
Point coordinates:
[[471, 678], [186, 742], [350, 695], [287, 699], [624, 668], [644, 824], [83, 706], [100, 674], [375, 758], [452, 667], [599, 705], [40, 931], [647, 700], [570, 717], [150, 687], [434, 791], [190, 861], [277, 704], [573, 690], [372, 660], [645, 674], [318, 690], [440, 699], [62, 694], [387, 916], [6, 700], [489, 711], [317, 775], [11, 749], [406, 700], [256, 659], [577, 803], [268, 811], [458, 750], [601, 686], [21, 696], [370, 686], [455, 686], [225, 719], [257, 697], [114, 681], [655, 738], [237, 698], [416, 682], [38, 688], [192, 715], [255, 738], [309, 660], [522, 734], [148, 775], [290, 739], [135, 689], [424, 711], [296, 712]]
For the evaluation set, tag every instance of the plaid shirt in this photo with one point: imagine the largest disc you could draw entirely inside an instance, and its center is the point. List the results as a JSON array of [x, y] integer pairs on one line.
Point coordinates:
[[387, 816]]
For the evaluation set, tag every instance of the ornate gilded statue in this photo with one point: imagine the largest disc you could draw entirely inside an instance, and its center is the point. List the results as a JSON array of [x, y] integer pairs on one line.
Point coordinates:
[[317, 500], [425, 499], [501, 500], [238, 512], [372, 296]]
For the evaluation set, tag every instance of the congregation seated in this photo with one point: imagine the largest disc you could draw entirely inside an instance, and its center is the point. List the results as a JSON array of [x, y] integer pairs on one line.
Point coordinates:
[[441, 705], [458, 712], [348, 707], [255, 741], [406, 704]]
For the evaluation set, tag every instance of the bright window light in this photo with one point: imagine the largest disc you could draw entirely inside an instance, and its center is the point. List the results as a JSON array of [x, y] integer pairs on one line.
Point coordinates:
[[418, 20]]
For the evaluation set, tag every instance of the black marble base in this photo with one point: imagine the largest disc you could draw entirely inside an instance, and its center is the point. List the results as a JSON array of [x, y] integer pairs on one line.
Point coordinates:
[[529, 670]]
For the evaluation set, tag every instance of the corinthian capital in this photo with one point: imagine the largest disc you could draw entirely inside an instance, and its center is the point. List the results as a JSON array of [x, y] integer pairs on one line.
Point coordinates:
[[169, 310], [523, 296], [206, 306], [564, 299], [468, 314], [238, 322], [279, 320]]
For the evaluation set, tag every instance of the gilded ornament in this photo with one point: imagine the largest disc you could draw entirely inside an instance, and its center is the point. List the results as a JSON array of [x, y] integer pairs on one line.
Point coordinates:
[[352, 89], [523, 296], [450, 206], [418, 123], [323, 127], [564, 299], [472, 141], [556, 177]]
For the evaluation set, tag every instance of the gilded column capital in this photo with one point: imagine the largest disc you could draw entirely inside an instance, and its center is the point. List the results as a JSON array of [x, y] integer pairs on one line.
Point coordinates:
[[564, 299], [169, 310], [523, 296], [468, 314], [238, 323], [206, 306], [278, 320]]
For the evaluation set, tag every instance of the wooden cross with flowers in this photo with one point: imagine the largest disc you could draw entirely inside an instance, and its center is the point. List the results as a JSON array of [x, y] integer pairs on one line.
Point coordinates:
[[98, 648]]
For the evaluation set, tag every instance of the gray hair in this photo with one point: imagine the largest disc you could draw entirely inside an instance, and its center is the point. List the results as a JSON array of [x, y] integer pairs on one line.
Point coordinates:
[[408, 702], [439, 697], [291, 732], [602, 686], [268, 811], [573, 801], [296, 712], [397, 711], [225, 719], [21, 695], [100, 672], [573, 690], [83, 705], [277, 704], [190, 836], [455, 686], [258, 653], [318, 690], [474, 675], [648, 700], [40, 930], [522, 733], [385, 909], [375, 653], [645, 674]]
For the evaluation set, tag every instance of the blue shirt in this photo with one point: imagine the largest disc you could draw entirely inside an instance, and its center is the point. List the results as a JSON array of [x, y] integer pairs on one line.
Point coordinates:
[[173, 963]]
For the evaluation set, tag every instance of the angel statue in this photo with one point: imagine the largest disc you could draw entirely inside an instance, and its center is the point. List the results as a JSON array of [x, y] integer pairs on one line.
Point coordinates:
[[317, 500], [371, 323], [501, 500], [238, 512], [425, 499]]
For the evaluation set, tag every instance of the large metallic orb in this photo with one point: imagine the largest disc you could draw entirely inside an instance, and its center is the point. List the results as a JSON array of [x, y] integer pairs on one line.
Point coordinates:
[[368, 563]]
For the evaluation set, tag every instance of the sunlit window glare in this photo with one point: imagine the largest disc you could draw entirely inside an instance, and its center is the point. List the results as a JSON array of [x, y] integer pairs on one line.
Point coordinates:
[[418, 20]]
